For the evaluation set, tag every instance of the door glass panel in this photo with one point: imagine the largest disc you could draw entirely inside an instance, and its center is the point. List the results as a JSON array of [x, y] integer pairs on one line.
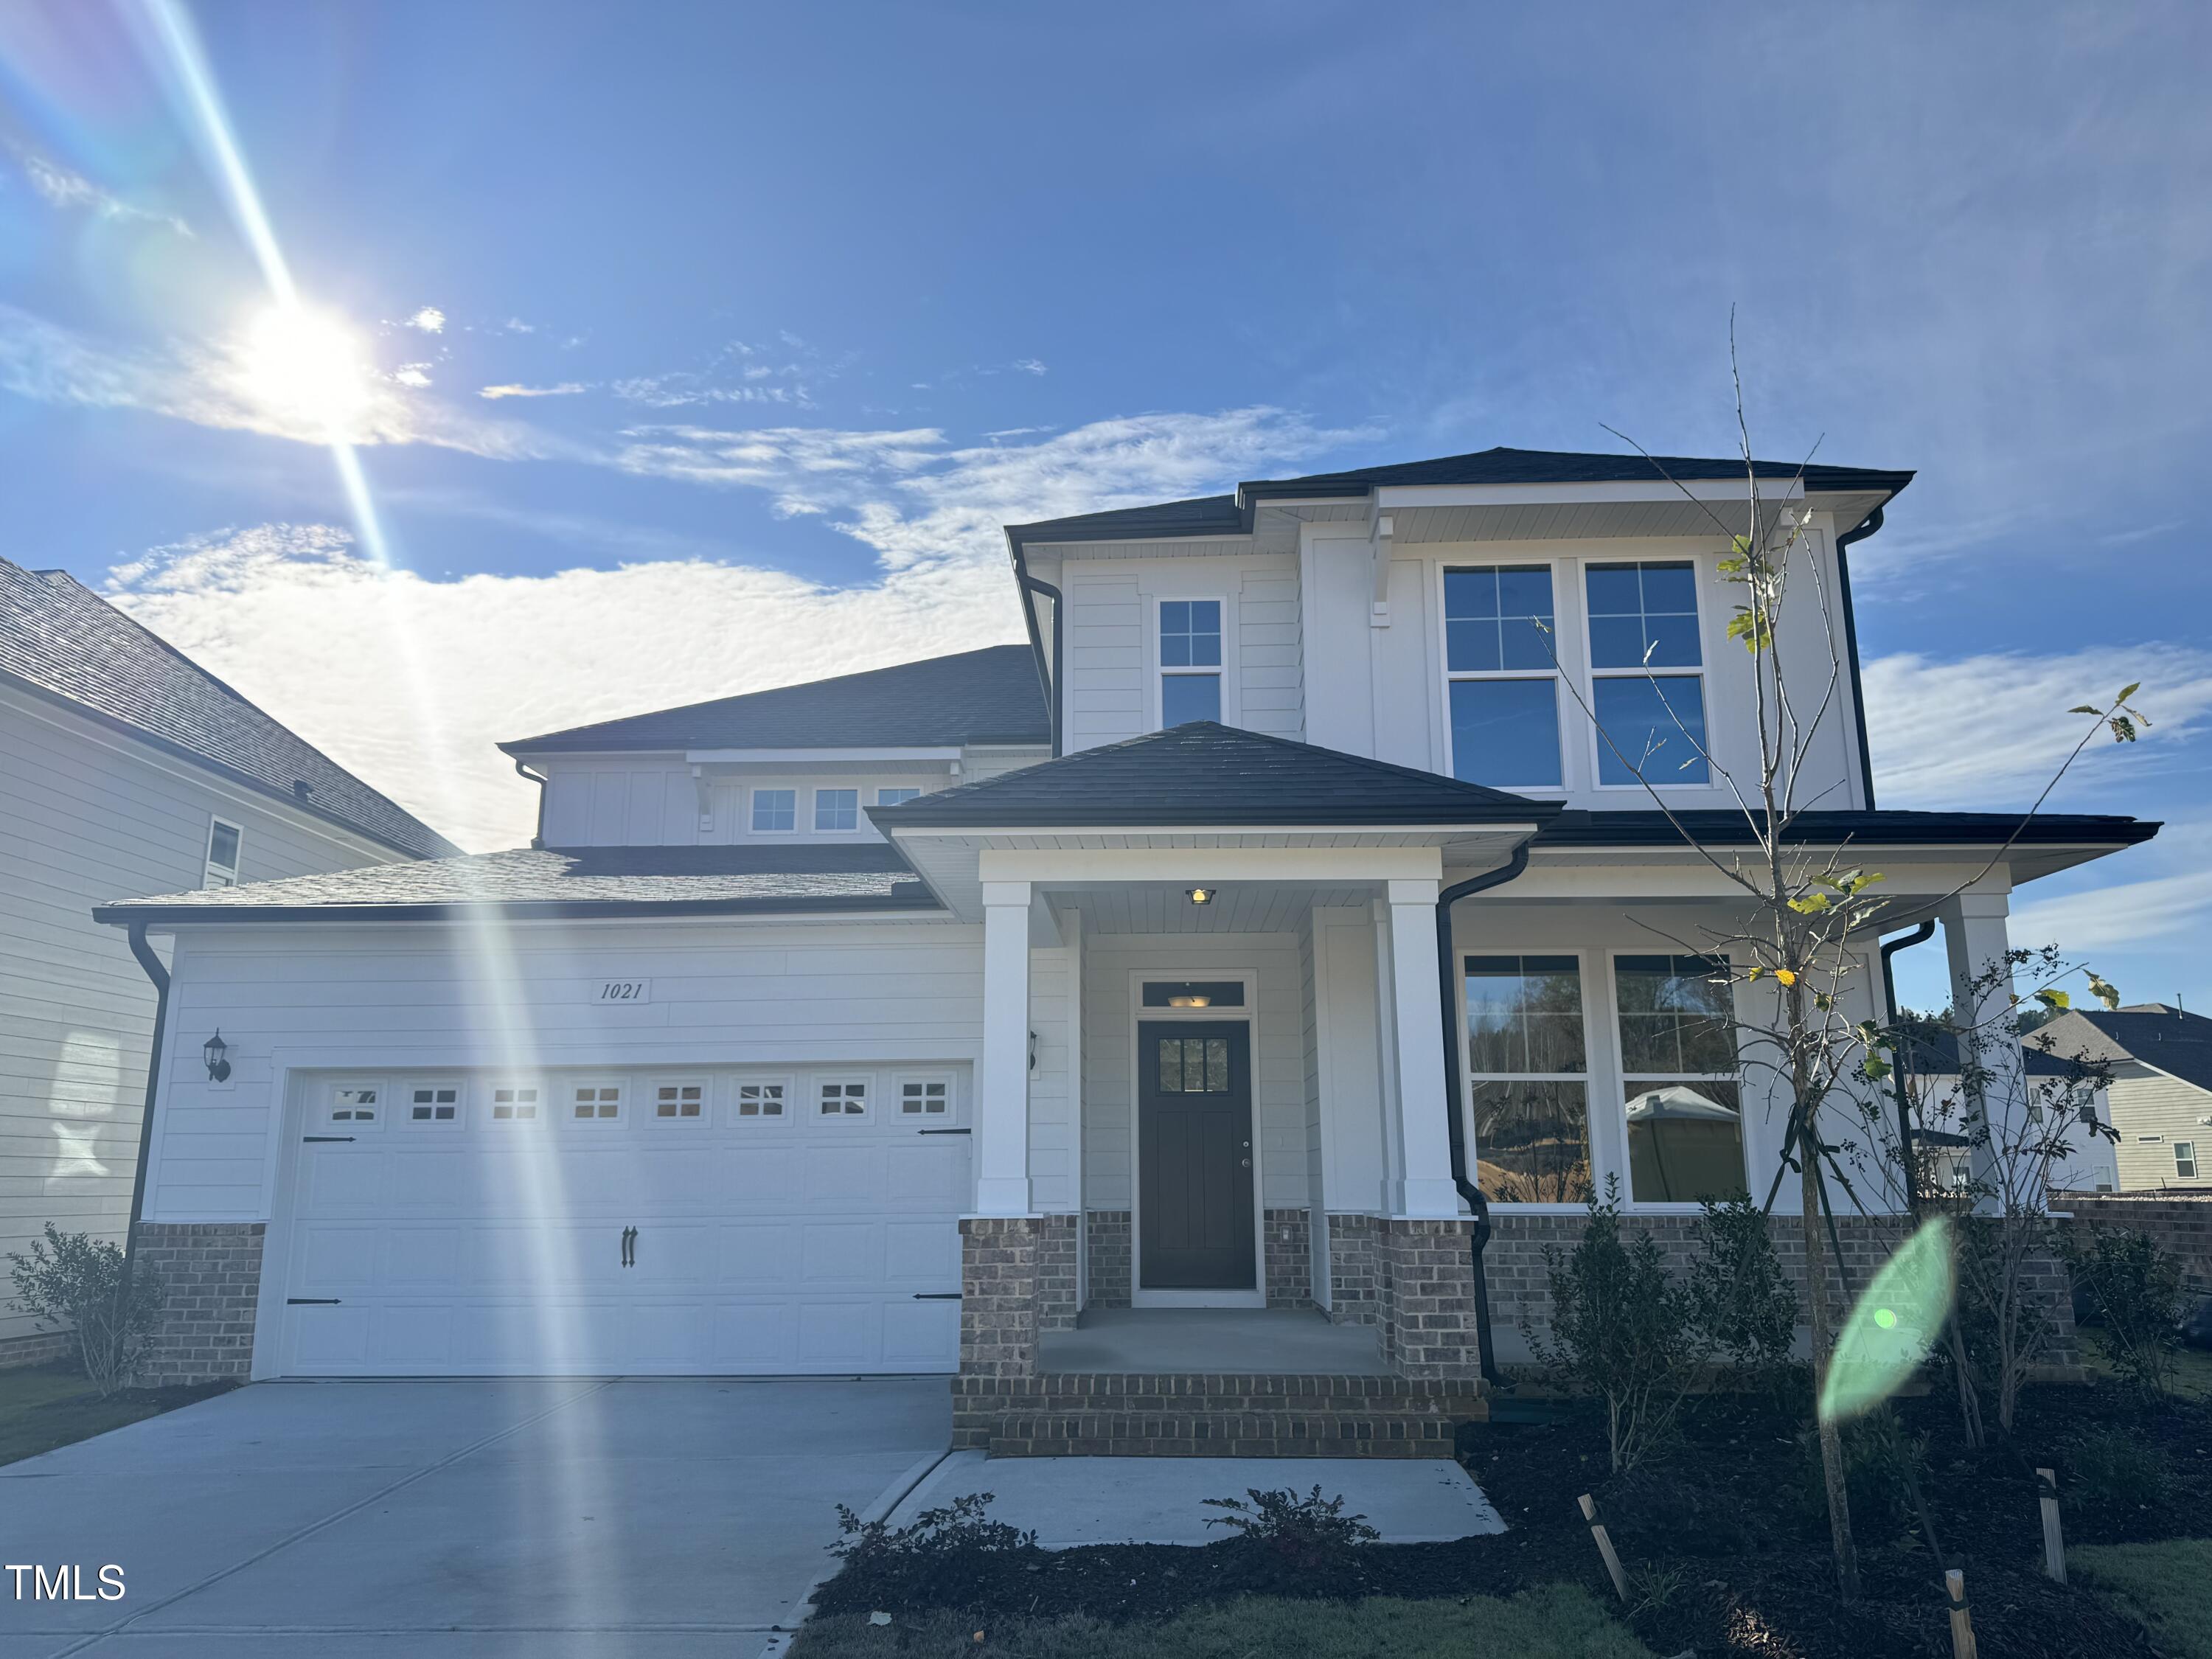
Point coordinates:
[[1172, 1066], [1217, 1066], [1193, 1066]]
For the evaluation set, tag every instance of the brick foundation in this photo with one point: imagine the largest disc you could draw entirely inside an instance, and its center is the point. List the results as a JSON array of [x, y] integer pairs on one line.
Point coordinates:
[[1428, 1298], [999, 1296], [1110, 1258], [1355, 1271], [1057, 1242], [2180, 1226], [1289, 1258], [35, 1348], [213, 1272]]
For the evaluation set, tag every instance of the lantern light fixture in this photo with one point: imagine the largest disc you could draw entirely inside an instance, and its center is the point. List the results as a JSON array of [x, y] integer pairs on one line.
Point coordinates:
[[217, 1054]]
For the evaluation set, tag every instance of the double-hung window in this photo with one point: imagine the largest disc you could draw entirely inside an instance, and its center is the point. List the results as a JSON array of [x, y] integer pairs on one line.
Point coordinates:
[[1527, 1078], [2185, 1160], [224, 840], [1647, 683], [1503, 675], [1680, 1078], [774, 811], [837, 809], [1190, 661]]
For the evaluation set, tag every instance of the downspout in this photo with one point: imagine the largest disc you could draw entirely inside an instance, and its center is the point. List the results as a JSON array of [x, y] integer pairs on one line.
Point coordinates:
[[1866, 528], [160, 976], [1038, 585], [1456, 1104], [1919, 935], [537, 836]]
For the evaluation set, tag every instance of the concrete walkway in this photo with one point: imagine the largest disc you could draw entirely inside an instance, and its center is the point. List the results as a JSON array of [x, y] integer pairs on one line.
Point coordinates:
[[556, 1520], [1069, 1501]]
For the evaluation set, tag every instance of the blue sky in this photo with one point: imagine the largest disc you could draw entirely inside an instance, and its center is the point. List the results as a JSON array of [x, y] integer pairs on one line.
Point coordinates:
[[736, 331]]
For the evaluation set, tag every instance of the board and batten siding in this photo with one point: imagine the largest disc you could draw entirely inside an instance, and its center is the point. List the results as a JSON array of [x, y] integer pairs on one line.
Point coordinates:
[[2148, 1102], [520, 1000], [87, 815]]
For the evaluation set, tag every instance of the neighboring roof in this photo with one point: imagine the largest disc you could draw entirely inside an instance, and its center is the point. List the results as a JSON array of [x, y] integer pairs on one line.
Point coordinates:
[[987, 696], [2152, 1034], [551, 883], [1233, 515], [61, 641], [1934, 1052], [1206, 773], [1726, 827]]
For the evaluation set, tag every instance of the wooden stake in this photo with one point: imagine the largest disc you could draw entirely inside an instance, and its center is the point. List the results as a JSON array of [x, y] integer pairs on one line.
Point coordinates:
[[1605, 1546], [1962, 1621], [2054, 1542]]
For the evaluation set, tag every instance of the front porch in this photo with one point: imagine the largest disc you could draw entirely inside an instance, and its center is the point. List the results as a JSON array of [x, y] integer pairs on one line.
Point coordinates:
[[1183, 1341]]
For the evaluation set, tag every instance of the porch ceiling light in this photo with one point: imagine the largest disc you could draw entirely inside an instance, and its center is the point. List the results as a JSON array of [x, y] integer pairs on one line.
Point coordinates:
[[1190, 1002], [1200, 895]]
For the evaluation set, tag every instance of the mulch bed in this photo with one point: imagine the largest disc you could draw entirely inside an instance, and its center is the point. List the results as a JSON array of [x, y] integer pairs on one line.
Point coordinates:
[[1727, 1537]]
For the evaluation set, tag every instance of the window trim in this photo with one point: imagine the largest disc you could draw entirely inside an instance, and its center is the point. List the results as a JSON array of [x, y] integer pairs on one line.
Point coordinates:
[[702, 1081], [753, 792], [845, 1080], [1156, 696], [951, 1112], [210, 870], [1592, 674], [738, 1087], [815, 793], [1558, 672], [458, 1123], [2180, 1173], [597, 1082], [1600, 1156], [492, 1085], [1619, 1116]]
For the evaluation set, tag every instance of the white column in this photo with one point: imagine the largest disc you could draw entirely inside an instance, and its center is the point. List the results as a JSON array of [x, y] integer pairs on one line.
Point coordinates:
[[1977, 942], [1002, 1092], [1421, 1184]]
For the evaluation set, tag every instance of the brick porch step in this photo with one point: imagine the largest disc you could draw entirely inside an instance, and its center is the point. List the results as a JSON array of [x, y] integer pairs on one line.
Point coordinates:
[[1115, 1414]]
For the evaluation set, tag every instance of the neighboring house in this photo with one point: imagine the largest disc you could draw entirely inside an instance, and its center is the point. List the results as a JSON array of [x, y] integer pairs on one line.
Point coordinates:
[[2161, 1089], [124, 769], [902, 1021], [2055, 1078]]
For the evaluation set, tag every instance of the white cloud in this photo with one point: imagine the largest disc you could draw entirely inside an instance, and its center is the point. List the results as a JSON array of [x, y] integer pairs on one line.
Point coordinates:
[[2127, 915], [60, 188], [412, 374], [684, 388], [516, 326], [1990, 731], [566, 389], [1030, 365], [430, 319]]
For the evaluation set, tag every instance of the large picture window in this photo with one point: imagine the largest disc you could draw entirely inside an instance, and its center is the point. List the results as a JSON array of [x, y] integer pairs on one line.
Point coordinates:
[[1526, 1078], [1190, 661], [1503, 675], [1681, 1093], [1642, 636]]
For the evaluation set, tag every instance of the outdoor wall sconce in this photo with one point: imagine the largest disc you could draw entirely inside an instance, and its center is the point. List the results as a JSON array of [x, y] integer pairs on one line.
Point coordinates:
[[218, 1061], [1032, 1051], [1199, 895]]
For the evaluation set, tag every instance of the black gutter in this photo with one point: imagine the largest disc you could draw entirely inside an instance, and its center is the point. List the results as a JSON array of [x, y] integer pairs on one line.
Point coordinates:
[[160, 976], [1866, 527], [1919, 935], [537, 835], [1455, 1102], [222, 915], [1054, 696], [1046, 677]]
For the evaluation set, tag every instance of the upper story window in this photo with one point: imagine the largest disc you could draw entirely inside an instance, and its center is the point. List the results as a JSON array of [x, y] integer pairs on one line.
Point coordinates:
[[1527, 1082], [1679, 1072], [895, 796], [1503, 675], [225, 842], [774, 811], [1647, 689], [1190, 661], [837, 809]]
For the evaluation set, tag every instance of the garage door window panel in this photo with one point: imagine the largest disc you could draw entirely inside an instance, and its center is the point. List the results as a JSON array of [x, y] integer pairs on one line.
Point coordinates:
[[514, 1103], [433, 1106], [929, 1097], [595, 1103], [356, 1105], [763, 1102], [681, 1102], [841, 1098]]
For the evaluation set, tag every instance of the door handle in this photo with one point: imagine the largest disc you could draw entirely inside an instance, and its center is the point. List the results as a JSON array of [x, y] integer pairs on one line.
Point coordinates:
[[629, 1247], [1247, 1163]]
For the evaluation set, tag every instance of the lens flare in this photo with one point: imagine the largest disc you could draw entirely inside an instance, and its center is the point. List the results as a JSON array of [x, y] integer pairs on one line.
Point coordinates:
[[1893, 1326], [304, 365]]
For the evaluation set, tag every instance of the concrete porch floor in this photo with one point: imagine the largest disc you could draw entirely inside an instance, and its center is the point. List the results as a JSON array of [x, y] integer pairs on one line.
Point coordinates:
[[1229, 1341]]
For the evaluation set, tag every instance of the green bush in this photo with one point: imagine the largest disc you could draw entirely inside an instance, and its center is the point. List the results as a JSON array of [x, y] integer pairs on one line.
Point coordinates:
[[83, 1285], [2133, 1292], [1745, 1309], [2114, 1471], [1881, 1462], [1309, 1530]]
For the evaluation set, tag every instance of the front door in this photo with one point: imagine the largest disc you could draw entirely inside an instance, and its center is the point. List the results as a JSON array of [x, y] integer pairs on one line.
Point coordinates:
[[1194, 1156]]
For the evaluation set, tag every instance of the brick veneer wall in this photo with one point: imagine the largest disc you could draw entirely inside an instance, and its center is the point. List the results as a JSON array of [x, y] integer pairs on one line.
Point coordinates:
[[2181, 1226], [213, 1273], [1355, 1271], [35, 1348], [999, 1296], [1428, 1298], [1289, 1258], [1110, 1258], [1058, 1239]]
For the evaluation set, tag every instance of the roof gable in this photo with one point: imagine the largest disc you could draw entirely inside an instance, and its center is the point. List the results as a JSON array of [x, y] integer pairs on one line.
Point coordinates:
[[2167, 1039]]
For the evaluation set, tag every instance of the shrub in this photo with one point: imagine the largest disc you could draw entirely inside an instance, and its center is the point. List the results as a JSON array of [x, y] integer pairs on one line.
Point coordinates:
[[1621, 1330], [960, 1525], [2115, 1473], [1308, 1530], [84, 1285], [1881, 1464], [2132, 1289], [1744, 1308]]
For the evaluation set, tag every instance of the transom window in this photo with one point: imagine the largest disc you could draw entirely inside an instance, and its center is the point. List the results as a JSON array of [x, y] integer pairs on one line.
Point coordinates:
[[1527, 1089], [775, 809], [1503, 672], [1190, 661], [895, 796], [2185, 1160], [1642, 631], [1683, 1101], [1193, 1066], [1193, 993], [760, 1100], [225, 841], [679, 1100], [924, 1097], [837, 809], [593, 1101], [354, 1105], [434, 1102], [515, 1103], [844, 1097]]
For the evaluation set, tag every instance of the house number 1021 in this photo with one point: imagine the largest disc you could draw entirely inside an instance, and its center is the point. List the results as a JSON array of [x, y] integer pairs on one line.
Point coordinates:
[[625, 990]]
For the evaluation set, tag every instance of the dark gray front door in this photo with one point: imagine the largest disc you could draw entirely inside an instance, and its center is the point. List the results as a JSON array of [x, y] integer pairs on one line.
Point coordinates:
[[1194, 1156]]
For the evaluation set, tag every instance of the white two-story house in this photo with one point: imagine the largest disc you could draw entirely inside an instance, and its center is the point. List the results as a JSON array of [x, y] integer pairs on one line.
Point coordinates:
[[1186, 1028]]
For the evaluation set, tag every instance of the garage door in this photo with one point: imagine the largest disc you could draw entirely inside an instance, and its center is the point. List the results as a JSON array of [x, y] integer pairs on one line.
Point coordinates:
[[730, 1222]]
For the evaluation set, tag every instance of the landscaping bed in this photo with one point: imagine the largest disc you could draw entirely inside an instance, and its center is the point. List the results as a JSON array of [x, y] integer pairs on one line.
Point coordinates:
[[43, 1407]]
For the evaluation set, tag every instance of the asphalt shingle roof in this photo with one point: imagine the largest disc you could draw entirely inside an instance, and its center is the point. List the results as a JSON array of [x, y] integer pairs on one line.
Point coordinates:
[[1206, 773], [2174, 1041], [991, 695], [60, 640], [542, 883]]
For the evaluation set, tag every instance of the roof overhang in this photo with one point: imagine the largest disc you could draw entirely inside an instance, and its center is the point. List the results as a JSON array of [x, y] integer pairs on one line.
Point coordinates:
[[168, 918]]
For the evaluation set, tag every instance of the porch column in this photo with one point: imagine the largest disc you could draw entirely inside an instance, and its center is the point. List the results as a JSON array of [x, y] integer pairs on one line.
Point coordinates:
[[1002, 1092], [1420, 1184], [1977, 942]]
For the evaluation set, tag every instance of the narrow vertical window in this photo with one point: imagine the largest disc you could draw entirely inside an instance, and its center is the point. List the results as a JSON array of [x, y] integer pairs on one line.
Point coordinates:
[[1190, 661], [1643, 633], [1678, 1060], [1527, 1082], [224, 843], [2185, 1160], [1504, 676], [837, 809]]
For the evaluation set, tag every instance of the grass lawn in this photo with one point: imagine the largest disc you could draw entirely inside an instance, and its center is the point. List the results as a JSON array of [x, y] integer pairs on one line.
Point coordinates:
[[2192, 1367], [2165, 1587], [1557, 1622], [43, 1407]]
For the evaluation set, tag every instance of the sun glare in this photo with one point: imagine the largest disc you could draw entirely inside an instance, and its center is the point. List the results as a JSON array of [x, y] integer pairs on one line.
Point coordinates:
[[307, 365]]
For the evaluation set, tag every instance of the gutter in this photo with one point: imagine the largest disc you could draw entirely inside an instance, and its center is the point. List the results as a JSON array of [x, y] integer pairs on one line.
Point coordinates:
[[1865, 528], [155, 972], [1919, 935], [1048, 679], [1454, 1100], [537, 835]]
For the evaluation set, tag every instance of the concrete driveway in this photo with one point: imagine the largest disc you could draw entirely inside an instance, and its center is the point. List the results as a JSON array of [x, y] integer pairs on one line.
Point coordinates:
[[648, 1519]]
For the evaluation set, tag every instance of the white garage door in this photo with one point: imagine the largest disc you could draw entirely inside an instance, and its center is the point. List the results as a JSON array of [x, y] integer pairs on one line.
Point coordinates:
[[734, 1222]]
